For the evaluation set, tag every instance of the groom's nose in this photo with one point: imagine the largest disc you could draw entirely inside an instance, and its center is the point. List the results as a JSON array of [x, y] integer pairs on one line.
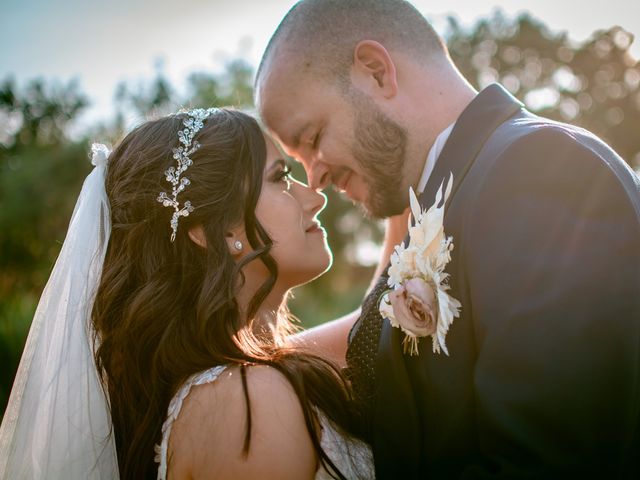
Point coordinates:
[[318, 175]]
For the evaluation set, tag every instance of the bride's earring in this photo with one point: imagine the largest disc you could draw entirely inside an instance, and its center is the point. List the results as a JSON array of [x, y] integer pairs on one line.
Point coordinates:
[[238, 245]]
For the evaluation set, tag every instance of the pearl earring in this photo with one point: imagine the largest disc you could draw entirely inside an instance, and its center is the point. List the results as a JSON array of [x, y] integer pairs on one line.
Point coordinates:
[[238, 245]]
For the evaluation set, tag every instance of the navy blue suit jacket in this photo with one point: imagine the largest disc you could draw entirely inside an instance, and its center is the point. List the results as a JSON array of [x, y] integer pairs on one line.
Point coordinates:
[[543, 374]]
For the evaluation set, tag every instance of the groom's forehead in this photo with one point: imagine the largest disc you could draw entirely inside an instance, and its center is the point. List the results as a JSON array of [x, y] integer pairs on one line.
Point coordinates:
[[285, 110], [286, 79], [278, 71], [280, 121]]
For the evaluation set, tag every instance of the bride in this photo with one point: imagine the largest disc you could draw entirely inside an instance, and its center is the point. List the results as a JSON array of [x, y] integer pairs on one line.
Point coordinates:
[[163, 333]]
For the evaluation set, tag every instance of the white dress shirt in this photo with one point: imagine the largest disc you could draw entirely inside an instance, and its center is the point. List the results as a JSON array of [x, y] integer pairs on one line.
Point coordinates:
[[432, 157]]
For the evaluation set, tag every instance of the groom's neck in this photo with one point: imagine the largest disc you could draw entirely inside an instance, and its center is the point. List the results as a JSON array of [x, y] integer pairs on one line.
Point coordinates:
[[435, 100]]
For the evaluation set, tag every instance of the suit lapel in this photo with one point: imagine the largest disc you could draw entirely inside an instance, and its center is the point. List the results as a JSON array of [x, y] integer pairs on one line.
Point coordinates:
[[397, 437], [491, 107]]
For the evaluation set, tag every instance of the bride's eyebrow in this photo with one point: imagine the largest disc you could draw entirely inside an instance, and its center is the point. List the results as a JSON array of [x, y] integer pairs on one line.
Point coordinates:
[[277, 163]]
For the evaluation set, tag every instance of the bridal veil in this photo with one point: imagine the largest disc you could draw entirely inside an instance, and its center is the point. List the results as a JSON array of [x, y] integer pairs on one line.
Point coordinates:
[[57, 424]]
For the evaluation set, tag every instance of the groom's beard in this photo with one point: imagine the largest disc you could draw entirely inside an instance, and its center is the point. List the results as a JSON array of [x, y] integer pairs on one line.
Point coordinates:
[[379, 147]]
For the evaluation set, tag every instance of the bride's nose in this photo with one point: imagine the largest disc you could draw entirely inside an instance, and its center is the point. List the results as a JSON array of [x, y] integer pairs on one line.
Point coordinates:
[[313, 201]]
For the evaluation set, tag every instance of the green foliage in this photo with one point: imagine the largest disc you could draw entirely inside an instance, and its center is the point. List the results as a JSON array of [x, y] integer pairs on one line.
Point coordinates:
[[156, 98], [233, 88], [596, 85], [40, 113], [15, 319]]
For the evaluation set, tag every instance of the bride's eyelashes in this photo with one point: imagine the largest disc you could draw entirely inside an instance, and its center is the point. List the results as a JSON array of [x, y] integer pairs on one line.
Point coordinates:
[[283, 175]]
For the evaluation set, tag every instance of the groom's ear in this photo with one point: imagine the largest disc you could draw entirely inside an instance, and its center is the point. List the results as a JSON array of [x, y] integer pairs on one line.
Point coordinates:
[[374, 71]]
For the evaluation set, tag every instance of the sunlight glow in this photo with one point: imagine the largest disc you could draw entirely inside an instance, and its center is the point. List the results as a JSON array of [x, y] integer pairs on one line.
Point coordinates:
[[104, 43]]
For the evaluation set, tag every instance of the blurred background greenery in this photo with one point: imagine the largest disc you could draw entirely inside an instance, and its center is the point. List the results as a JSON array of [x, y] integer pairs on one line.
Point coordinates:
[[595, 84]]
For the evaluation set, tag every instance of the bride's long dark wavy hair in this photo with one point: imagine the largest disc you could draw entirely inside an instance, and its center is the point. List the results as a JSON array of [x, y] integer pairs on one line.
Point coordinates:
[[164, 311]]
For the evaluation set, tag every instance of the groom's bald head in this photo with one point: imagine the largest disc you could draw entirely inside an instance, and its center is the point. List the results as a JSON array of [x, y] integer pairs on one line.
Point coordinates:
[[319, 36]]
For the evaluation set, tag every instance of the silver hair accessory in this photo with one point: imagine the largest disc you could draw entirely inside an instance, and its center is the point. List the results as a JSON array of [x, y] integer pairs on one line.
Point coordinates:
[[192, 125], [238, 245]]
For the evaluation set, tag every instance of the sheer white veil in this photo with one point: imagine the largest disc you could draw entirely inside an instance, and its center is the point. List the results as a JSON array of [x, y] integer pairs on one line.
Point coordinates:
[[57, 424]]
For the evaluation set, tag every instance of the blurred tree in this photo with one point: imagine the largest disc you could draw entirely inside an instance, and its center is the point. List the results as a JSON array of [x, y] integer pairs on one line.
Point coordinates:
[[234, 87], [157, 98], [38, 167], [595, 85], [39, 114]]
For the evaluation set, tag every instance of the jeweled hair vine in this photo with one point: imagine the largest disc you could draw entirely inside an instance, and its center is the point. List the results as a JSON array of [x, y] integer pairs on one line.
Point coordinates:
[[182, 154]]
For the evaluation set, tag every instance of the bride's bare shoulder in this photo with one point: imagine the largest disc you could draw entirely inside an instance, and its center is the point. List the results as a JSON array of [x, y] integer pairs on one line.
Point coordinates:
[[208, 438]]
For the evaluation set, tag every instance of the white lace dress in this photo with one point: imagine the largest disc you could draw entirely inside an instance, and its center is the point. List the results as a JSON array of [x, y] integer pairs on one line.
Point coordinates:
[[352, 457]]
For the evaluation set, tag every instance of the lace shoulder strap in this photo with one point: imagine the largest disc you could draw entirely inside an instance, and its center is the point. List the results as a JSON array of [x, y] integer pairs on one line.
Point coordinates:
[[173, 411]]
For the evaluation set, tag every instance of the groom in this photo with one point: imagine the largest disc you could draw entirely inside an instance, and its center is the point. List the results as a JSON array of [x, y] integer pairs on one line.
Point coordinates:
[[542, 379]]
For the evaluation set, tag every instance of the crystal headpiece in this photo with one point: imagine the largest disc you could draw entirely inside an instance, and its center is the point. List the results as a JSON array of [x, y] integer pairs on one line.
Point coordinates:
[[192, 125]]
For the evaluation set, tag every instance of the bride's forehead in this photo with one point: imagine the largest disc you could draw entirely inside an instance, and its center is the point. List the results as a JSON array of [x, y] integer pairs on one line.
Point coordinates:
[[272, 150]]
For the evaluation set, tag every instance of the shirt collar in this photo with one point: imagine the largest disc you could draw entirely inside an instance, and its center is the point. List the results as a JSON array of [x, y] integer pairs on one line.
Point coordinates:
[[433, 155]]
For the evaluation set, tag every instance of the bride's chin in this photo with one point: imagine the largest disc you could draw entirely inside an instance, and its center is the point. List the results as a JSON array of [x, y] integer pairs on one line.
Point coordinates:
[[302, 277], [325, 265]]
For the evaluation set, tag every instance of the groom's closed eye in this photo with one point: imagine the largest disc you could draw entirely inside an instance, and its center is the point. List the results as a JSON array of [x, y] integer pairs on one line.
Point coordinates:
[[315, 141], [297, 136]]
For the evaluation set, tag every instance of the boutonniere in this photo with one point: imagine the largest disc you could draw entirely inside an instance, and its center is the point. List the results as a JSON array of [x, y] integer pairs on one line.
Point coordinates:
[[418, 302]]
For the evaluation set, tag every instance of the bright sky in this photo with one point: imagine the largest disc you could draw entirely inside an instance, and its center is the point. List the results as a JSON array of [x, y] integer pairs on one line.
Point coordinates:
[[104, 42]]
